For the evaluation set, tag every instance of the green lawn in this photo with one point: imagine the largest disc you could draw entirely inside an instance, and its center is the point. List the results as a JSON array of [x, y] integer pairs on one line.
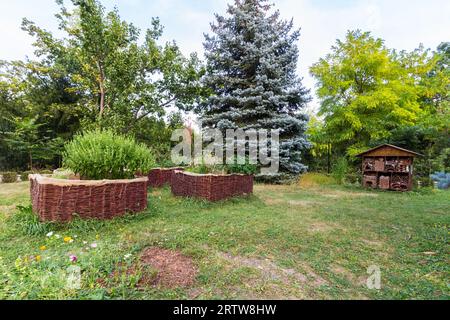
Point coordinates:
[[283, 242]]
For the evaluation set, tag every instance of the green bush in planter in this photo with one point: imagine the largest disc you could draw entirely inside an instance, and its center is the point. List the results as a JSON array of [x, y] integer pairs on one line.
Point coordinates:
[[103, 154], [244, 168], [9, 177]]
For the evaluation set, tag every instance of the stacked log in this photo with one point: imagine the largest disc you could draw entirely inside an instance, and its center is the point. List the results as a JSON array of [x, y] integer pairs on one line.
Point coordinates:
[[391, 166], [400, 183]]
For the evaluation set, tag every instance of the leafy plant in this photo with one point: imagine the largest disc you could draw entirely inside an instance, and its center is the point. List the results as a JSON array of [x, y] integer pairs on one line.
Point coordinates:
[[314, 179], [340, 169], [442, 179], [103, 154], [63, 173], [244, 168], [24, 175], [9, 177], [201, 169], [27, 223]]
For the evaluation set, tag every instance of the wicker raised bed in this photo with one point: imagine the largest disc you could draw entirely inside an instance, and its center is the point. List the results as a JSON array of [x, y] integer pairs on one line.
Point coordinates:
[[159, 177], [59, 200], [211, 187]]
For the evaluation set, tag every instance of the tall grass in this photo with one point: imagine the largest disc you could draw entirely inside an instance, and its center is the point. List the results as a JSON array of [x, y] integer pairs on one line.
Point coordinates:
[[315, 179]]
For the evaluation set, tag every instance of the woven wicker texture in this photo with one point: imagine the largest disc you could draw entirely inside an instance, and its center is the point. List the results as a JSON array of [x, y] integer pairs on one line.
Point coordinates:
[[60, 200], [211, 187], [159, 177]]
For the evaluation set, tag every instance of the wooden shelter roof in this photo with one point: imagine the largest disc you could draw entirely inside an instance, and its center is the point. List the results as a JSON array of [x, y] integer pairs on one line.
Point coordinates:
[[389, 150]]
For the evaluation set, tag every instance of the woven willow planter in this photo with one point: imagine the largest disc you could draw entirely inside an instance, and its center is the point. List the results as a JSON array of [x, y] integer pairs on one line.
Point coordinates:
[[159, 177], [211, 187], [59, 200]]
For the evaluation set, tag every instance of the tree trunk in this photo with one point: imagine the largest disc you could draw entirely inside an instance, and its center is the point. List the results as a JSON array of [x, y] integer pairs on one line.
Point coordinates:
[[101, 85], [30, 157], [329, 158], [102, 99]]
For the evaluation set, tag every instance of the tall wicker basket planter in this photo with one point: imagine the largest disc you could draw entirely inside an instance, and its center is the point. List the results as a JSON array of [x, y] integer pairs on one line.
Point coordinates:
[[159, 177], [59, 200], [211, 187]]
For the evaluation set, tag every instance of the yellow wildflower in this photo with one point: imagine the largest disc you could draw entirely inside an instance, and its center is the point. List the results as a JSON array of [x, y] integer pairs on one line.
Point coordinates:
[[38, 258], [42, 248], [67, 239], [97, 237]]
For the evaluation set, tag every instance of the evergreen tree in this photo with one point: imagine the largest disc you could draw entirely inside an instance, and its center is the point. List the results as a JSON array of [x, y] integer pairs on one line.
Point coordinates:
[[251, 70]]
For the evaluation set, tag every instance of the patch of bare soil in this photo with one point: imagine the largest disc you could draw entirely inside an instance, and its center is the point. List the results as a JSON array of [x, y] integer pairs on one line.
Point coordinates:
[[272, 201], [293, 203], [373, 243], [173, 268], [356, 281], [271, 271], [320, 227], [156, 267], [156, 193], [7, 210]]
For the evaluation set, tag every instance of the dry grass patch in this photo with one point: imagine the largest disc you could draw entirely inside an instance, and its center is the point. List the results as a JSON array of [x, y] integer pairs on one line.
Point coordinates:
[[346, 194], [14, 191], [271, 201], [7, 210], [303, 203], [270, 271], [357, 281], [320, 227], [374, 243]]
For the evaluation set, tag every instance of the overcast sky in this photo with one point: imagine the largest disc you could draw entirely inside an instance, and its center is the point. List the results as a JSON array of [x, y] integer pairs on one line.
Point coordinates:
[[404, 24]]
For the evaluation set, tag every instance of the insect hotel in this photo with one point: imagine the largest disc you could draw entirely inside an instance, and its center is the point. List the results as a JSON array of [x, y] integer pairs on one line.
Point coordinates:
[[388, 167]]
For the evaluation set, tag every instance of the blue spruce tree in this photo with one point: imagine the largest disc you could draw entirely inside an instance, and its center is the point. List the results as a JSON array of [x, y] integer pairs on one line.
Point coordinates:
[[251, 71]]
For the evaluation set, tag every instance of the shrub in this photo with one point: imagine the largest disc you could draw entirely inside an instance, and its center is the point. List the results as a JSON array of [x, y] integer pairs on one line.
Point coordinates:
[[245, 168], [206, 169], [24, 175], [442, 161], [442, 179], [352, 178], [340, 169], [103, 154], [9, 177]]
